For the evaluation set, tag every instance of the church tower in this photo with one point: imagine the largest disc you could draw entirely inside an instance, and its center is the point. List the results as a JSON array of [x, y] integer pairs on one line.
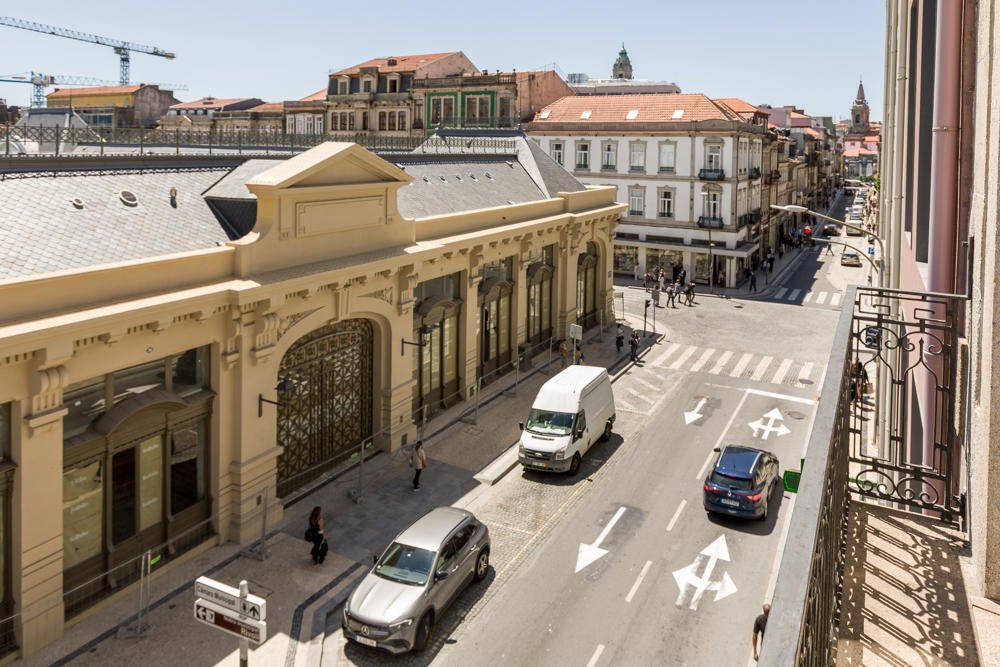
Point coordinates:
[[622, 68], [859, 112]]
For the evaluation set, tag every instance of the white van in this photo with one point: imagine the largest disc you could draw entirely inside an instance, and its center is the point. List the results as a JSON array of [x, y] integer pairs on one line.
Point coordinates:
[[571, 412]]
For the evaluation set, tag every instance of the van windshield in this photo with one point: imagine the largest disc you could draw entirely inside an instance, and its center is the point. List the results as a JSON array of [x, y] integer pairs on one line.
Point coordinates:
[[546, 422]]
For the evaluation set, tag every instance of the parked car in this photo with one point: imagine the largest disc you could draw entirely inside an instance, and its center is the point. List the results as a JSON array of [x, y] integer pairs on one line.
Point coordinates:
[[741, 482], [850, 258], [422, 571], [830, 229]]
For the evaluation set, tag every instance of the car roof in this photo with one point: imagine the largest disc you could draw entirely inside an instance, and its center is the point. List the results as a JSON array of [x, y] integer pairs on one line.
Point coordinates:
[[850, 253], [430, 530], [738, 460]]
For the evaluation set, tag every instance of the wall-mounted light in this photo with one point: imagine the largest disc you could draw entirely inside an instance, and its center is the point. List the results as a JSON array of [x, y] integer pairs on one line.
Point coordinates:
[[283, 385], [423, 331]]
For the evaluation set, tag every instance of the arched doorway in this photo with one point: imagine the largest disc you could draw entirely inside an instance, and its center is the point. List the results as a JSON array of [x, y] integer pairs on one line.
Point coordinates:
[[539, 325], [327, 413], [494, 309], [586, 286], [436, 360]]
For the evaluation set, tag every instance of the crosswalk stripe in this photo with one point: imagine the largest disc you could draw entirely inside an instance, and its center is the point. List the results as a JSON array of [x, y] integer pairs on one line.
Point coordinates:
[[702, 360], [647, 385], [780, 294], [804, 374], [741, 365], [636, 394], [779, 375], [717, 368], [807, 297], [685, 355], [666, 353], [794, 295], [758, 373], [821, 298], [835, 299]]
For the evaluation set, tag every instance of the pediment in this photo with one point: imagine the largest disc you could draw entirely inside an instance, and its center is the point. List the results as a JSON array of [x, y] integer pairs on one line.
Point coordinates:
[[329, 164]]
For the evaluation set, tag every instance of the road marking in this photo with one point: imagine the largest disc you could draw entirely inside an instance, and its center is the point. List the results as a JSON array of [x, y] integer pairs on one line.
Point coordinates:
[[677, 514], [686, 576], [773, 417], [758, 373], [780, 294], [589, 553], [636, 394], [804, 374], [666, 353], [835, 298], [626, 405], [647, 385], [691, 416], [794, 295], [741, 365], [807, 297], [722, 436], [597, 655], [779, 375], [702, 360], [685, 355], [717, 368], [821, 298], [786, 397], [635, 586]]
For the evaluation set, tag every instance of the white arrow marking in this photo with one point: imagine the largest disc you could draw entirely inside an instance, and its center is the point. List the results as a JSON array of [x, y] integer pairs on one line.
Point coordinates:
[[589, 553], [694, 415], [772, 416], [686, 576]]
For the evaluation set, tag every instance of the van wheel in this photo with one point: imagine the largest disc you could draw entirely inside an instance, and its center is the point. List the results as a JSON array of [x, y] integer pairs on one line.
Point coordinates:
[[607, 432], [423, 633], [574, 465]]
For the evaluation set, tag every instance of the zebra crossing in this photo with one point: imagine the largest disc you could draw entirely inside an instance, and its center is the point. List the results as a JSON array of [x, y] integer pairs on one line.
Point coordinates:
[[819, 298], [746, 365]]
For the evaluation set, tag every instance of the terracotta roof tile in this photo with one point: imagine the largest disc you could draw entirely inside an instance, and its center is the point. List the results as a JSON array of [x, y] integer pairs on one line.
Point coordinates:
[[99, 90], [210, 103], [648, 108], [317, 96], [738, 105], [268, 106], [403, 63]]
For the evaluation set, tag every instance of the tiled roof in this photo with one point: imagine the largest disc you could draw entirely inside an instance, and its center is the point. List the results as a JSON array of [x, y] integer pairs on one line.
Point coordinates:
[[268, 106], [210, 103], [738, 105], [44, 232], [99, 90], [403, 63], [318, 95], [646, 108], [811, 131], [858, 151]]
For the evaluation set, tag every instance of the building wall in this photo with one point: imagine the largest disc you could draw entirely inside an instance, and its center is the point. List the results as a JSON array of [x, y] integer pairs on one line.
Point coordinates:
[[150, 104], [536, 90]]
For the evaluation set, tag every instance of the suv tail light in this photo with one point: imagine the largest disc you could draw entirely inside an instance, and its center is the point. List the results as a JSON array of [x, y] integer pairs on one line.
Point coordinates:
[[754, 498]]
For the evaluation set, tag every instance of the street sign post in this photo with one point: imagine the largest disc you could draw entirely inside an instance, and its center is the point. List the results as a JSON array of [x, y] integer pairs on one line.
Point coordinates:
[[229, 621], [228, 597]]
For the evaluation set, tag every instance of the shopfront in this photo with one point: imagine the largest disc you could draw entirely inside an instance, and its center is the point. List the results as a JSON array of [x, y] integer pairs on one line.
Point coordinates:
[[435, 326], [663, 258], [626, 260]]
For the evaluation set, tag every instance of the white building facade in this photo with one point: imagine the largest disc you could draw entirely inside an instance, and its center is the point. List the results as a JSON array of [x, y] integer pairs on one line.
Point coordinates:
[[688, 167]]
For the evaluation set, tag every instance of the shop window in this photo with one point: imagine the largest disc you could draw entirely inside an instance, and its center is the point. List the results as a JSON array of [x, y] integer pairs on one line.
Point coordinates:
[[83, 513], [123, 498], [187, 465], [85, 403]]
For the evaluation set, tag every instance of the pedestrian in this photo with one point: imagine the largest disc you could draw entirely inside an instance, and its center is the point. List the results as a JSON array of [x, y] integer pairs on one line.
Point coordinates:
[[620, 339], [689, 295], [656, 296], [681, 275], [315, 534], [580, 359], [635, 272], [722, 278], [633, 346], [753, 281], [671, 294], [563, 353], [418, 461], [829, 248], [645, 280], [759, 625]]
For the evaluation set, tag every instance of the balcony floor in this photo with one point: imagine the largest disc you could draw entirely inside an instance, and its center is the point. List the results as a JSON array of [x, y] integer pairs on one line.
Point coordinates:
[[904, 600]]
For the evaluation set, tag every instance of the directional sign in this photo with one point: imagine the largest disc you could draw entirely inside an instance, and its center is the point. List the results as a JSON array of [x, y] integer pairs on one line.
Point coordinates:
[[228, 621], [772, 417], [228, 597], [589, 553], [871, 251], [694, 415], [687, 577], [873, 337]]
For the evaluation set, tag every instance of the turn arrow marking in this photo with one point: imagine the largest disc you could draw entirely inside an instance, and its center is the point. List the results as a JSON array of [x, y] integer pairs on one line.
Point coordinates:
[[687, 577], [694, 415], [589, 553], [773, 416]]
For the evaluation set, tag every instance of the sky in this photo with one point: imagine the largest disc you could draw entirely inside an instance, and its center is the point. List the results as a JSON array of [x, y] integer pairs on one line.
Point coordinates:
[[809, 53]]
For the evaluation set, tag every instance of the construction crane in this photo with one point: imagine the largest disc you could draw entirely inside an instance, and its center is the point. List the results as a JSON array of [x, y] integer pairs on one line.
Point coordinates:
[[123, 49], [43, 81]]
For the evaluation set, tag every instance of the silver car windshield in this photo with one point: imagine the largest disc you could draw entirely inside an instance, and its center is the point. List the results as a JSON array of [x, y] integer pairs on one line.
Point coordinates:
[[405, 564], [546, 422]]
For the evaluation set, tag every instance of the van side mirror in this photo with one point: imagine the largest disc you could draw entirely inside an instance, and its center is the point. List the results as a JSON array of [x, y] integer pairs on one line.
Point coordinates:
[[578, 434], [440, 575], [520, 425]]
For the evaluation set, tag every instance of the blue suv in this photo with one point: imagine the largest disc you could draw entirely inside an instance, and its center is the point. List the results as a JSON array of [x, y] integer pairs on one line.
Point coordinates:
[[741, 482]]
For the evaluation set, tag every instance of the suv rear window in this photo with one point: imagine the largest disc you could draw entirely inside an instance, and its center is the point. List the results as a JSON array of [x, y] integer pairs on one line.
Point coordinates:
[[729, 482]]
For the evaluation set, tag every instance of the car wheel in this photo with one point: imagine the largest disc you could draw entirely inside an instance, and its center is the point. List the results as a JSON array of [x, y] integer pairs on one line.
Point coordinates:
[[607, 432], [423, 633], [574, 465], [482, 564]]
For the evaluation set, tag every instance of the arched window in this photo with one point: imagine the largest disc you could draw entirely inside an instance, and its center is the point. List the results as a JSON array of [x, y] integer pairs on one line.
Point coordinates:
[[586, 286], [539, 277]]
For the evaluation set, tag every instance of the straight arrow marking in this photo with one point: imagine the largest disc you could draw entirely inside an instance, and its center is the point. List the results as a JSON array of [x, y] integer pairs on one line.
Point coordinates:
[[588, 553], [695, 415]]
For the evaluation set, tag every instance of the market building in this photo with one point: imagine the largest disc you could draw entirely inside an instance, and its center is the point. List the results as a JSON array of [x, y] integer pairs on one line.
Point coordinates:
[[225, 329]]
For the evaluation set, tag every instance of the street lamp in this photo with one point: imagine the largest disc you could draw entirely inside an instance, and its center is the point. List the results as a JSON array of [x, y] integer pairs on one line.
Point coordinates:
[[284, 385], [795, 208]]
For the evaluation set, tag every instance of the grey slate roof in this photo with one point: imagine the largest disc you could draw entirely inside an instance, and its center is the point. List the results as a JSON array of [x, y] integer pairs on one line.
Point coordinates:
[[42, 231]]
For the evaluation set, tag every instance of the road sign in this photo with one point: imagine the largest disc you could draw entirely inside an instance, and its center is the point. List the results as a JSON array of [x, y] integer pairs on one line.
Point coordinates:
[[229, 621], [871, 251], [686, 577], [873, 337], [228, 597], [575, 332]]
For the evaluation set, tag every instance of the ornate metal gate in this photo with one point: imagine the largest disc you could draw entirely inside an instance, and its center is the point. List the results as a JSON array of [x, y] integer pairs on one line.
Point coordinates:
[[328, 412]]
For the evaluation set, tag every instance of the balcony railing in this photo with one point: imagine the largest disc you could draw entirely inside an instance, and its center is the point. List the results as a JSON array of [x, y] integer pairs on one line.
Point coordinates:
[[464, 81], [861, 451], [712, 174], [711, 221]]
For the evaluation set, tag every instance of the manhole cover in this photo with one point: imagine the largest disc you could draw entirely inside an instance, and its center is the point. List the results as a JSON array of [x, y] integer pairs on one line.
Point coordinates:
[[805, 381], [796, 415]]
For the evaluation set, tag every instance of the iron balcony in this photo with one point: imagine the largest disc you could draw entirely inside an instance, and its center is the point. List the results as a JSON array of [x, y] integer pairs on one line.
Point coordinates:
[[712, 174], [711, 222]]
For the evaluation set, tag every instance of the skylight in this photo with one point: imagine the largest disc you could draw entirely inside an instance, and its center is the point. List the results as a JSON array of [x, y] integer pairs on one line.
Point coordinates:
[[585, 115], [632, 114], [678, 114], [544, 114]]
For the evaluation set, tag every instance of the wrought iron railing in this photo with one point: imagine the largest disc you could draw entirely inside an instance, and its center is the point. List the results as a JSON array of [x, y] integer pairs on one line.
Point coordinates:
[[711, 174], [711, 221], [906, 343]]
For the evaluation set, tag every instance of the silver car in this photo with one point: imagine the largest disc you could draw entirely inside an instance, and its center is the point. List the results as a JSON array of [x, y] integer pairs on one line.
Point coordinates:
[[419, 575]]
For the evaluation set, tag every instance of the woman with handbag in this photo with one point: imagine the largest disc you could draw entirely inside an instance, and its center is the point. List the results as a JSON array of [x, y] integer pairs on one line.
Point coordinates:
[[315, 534]]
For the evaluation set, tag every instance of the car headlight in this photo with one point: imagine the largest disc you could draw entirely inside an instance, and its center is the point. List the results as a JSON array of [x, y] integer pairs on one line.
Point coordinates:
[[520, 449], [346, 609], [560, 453], [396, 627]]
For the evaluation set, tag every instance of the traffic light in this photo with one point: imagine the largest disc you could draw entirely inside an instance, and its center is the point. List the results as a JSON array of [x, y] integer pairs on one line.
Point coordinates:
[[647, 303]]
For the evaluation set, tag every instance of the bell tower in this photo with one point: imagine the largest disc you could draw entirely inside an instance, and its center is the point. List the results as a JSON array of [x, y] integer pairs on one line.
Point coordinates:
[[859, 112], [622, 68]]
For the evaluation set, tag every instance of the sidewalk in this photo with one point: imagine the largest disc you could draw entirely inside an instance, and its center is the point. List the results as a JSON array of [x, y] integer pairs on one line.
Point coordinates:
[[299, 594]]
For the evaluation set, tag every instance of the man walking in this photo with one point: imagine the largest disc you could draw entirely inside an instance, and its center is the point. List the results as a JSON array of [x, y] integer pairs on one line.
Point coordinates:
[[620, 339], [656, 296], [418, 461], [633, 346], [759, 625], [671, 294], [753, 281]]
